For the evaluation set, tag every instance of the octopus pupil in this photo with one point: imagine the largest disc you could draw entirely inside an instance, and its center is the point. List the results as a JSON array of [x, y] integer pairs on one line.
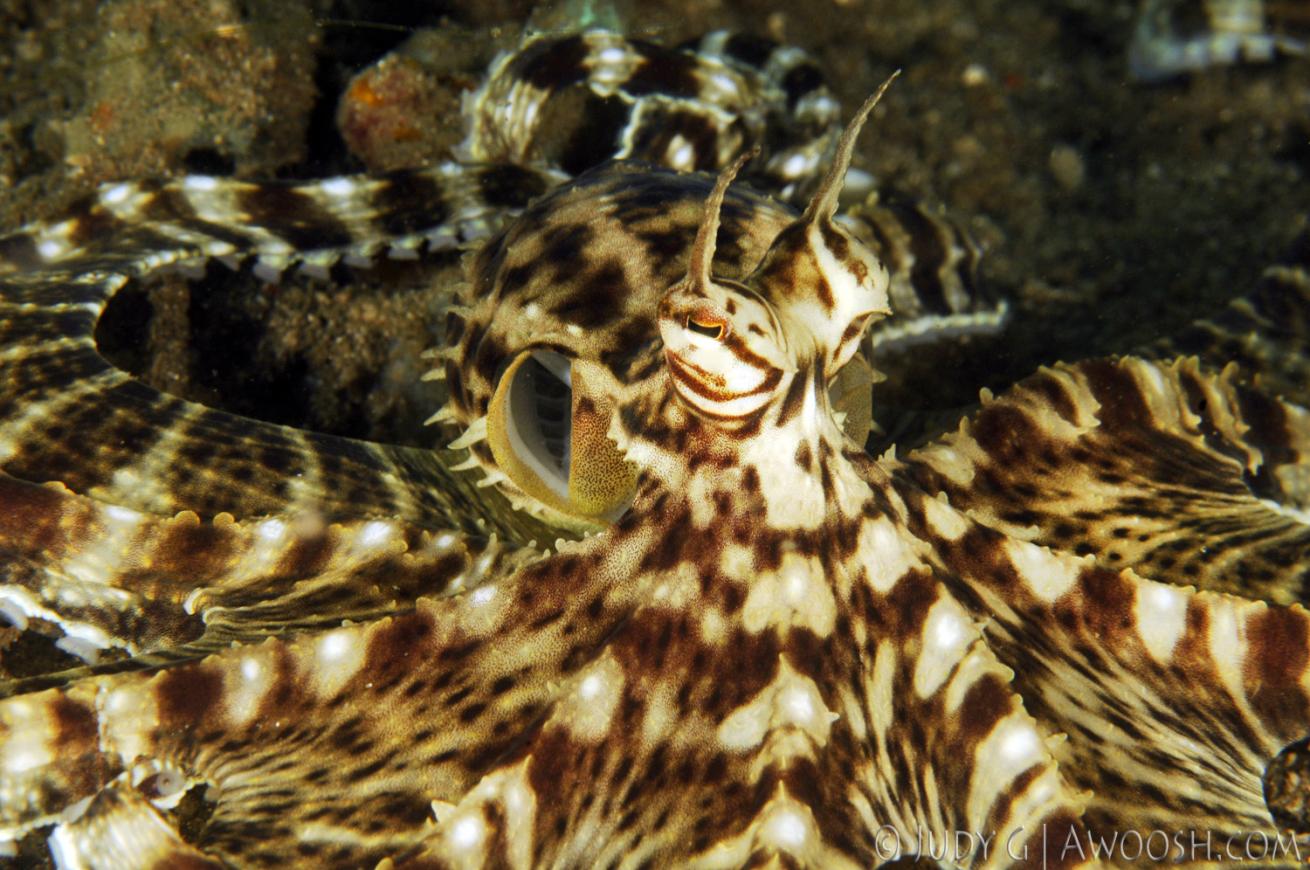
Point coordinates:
[[552, 407], [712, 330]]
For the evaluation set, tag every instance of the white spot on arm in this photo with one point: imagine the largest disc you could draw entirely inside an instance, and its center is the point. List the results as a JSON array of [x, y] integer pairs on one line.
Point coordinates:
[[120, 515], [332, 648], [791, 702], [115, 194], [724, 83], [374, 535], [589, 709], [245, 695], [199, 183], [1012, 749], [787, 825], [787, 828], [681, 154], [798, 704], [26, 746], [467, 832], [51, 249], [1020, 745], [271, 530], [797, 593], [885, 552], [465, 837], [340, 187], [947, 634], [1228, 647], [1048, 575], [1161, 612], [796, 166], [338, 656], [590, 687], [794, 584], [505, 795]]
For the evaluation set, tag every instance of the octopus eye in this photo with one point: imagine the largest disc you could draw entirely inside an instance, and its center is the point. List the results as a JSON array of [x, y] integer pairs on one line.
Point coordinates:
[[851, 395], [548, 432], [706, 325]]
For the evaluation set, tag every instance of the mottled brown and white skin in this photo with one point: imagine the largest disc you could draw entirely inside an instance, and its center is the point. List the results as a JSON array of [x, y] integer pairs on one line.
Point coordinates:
[[1075, 615]]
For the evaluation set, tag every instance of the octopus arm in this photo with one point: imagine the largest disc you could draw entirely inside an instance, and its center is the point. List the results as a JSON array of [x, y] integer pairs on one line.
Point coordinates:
[[608, 702], [1265, 332], [725, 723], [1174, 702], [332, 746], [135, 490], [121, 829], [119, 588], [135, 228], [1185, 475], [68, 415]]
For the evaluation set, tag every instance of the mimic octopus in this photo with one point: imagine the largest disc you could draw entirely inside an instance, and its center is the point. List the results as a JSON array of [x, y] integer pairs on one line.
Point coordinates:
[[751, 642]]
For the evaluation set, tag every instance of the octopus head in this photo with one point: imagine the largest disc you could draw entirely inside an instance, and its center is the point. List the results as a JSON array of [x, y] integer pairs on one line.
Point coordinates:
[[538, 396], [735, 348]]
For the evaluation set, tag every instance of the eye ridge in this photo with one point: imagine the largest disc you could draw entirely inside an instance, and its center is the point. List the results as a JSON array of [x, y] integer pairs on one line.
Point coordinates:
[[712, 330]]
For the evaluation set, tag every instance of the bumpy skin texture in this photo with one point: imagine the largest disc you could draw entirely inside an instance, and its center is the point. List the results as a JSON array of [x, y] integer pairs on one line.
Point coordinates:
[[1075, 615]]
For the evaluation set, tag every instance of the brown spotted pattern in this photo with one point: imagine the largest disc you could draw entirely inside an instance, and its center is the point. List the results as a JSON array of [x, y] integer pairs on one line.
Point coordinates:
[[784, 653]]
